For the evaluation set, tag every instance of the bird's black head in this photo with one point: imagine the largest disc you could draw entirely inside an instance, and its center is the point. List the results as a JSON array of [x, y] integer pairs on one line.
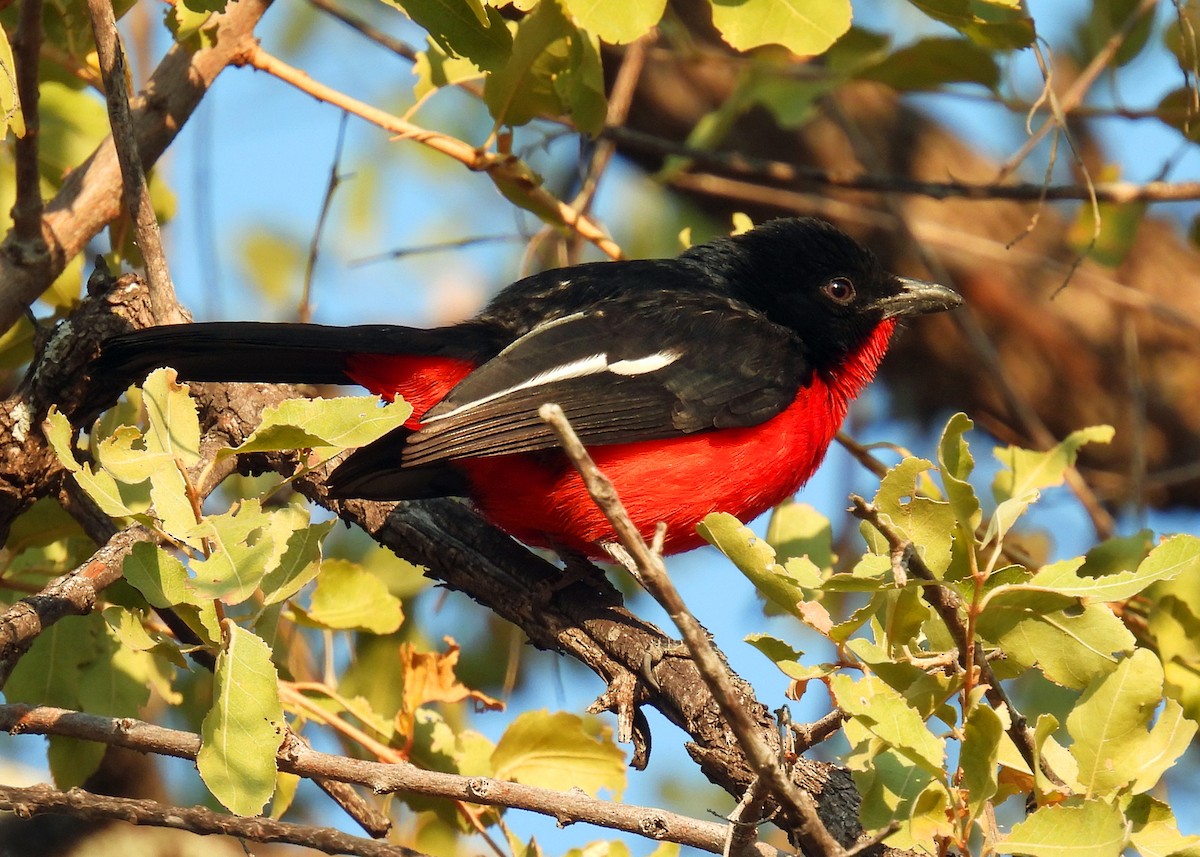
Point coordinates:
[[811, 277]]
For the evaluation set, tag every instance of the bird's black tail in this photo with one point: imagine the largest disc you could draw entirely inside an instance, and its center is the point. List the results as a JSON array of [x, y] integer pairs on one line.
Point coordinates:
[[259, 352]]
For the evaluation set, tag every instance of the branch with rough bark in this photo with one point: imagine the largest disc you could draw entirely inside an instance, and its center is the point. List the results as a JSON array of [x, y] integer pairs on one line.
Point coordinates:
[[296, 757], [36, 800]]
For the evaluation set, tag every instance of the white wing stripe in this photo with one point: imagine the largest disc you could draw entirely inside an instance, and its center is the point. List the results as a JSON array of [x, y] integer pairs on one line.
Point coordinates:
[[583, 367], [644, 365]]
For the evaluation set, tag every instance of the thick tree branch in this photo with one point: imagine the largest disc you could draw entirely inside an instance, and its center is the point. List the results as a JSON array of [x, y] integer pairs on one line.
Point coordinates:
[[90, 196], [35, 800], [383, 778]]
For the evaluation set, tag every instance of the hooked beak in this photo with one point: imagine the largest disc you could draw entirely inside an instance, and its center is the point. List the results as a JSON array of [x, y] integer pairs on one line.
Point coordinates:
[[917, 297]]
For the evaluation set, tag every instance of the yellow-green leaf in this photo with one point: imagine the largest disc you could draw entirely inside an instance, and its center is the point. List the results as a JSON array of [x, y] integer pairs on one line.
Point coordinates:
[[556, 751], [805, 27], [242, 730]]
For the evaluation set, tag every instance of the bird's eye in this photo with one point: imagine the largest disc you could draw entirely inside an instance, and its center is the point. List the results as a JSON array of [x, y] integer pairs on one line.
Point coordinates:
[[839, 290]]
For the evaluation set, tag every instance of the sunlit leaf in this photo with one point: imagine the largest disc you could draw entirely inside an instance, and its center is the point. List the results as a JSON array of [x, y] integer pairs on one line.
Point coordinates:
[[242, 730]]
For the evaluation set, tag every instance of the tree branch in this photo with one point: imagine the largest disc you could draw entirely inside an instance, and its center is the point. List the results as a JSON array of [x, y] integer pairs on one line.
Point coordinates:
[[36, 800], [507, 169], [90, 195], [136, 193], [73, 594], [384, 778], [735, 163], [810, 831], [29, 244]]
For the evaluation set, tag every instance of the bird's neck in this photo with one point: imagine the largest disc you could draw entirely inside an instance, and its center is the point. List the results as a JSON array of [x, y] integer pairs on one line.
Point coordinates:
[[860, 365]]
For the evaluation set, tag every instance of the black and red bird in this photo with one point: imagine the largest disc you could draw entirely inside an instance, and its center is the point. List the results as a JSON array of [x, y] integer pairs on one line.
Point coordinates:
[[714, 381]]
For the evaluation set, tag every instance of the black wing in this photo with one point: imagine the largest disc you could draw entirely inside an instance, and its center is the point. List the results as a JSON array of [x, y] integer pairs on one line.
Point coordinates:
[[638, 371]]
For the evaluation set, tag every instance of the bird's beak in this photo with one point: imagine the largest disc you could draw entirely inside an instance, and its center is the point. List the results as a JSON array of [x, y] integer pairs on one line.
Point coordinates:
[[917, 297]]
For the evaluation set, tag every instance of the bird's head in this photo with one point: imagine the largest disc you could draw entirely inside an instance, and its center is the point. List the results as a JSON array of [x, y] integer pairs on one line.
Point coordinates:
[[811, 277]]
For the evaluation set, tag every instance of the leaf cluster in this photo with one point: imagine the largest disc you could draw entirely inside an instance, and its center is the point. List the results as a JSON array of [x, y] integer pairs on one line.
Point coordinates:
[[934, 745]]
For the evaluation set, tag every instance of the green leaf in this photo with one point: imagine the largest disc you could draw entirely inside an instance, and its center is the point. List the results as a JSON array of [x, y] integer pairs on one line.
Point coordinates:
[[555, 751], [300, 561], [1073, 646], [928, 523], [1154, 831], [336, 424], [755, 559], [979, 756], [72, 761], [934, 62], [241, 553], [348, 597], [1178, 555], [616, 22], [554, 69], [243, 729], [956, 465], [799, 530], [463, 28], [49, 673], [435, 69], [1091, 828], [1109, 726], [159, 576], [116, 684], [1026, 470], [887, 716], [174, 427], [890, 786], [785, 657], [993, 24], [59, 434], [805, 27], [10, 105]]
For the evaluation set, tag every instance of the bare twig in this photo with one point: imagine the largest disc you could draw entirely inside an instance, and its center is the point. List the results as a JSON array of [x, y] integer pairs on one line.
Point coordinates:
[[304, 312], [36, 800], [28, 207], [137, 193], [1079, 88], [401, 49], [810, 831], [973, 331], [505, 168], [296, 758], [738, 164]]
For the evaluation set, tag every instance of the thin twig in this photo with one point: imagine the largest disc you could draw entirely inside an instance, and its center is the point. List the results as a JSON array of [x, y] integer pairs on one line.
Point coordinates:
[[28, 208], [36, 800], [737, 164], [367, 29], [1079, 88], [810, 831], [384, 778], [304, 311], [137, 193], [969, 325], [505, 168]]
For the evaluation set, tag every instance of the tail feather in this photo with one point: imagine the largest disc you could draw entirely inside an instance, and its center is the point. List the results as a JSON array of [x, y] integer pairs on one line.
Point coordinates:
[[263, 352]]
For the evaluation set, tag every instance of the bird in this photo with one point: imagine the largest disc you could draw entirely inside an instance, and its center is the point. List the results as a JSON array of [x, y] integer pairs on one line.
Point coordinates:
[[714, 381]]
